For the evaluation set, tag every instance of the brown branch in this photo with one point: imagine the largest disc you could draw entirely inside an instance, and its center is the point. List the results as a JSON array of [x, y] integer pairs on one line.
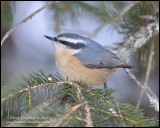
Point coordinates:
[[23, 21], [29, 98]]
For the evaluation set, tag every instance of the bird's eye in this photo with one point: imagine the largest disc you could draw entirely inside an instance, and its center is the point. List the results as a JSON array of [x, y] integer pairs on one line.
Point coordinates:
[[55, 39], [64, 42]]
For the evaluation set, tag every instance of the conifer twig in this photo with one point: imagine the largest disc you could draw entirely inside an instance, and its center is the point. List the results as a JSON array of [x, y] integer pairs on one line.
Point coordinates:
[[34, 87], [114, 114], [103, 98], [80, 97], [88, 120], [120, 114], [23, 21], [26, 89], [29, 98]]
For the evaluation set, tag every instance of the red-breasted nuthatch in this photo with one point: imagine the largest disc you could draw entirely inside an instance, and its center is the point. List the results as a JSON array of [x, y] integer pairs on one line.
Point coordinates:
[[81, 59]]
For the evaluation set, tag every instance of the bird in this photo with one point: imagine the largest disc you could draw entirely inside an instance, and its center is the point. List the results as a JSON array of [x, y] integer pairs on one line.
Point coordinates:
[[79, 58]]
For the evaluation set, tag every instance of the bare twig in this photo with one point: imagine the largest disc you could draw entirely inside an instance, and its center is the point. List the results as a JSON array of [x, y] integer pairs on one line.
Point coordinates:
[[23, 21], [142, 86], [147, 73]]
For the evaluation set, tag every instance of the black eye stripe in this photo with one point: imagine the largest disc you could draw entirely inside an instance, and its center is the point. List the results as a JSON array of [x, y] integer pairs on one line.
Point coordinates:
[[72, 45]]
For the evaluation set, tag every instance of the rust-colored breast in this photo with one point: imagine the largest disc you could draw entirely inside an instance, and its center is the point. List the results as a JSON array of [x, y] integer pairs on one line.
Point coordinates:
[[71, 68]]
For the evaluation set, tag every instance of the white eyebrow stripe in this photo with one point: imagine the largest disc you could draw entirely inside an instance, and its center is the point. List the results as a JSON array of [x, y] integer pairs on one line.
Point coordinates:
[[75, 41], [74, 52]]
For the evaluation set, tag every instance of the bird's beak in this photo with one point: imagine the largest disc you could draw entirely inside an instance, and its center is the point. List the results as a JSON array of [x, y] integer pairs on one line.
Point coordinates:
[[50, 38]]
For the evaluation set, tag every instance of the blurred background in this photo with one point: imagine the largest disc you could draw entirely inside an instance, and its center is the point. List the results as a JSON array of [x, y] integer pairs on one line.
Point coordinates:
[[27, 50]]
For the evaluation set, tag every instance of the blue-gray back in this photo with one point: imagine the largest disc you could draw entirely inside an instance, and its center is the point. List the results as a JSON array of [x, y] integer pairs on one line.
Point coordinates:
[[94, 55]]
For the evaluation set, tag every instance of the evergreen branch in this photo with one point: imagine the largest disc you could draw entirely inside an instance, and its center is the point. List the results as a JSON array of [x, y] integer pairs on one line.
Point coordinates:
[[71, 93], [26, 89], [100, 96], [135, 119], [113, 113], [23, 21], [13, 95], [34, 87]]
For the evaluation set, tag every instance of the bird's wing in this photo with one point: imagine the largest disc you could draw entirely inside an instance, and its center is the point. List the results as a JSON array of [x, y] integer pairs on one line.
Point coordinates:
[[96, 56], [106, 60]]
